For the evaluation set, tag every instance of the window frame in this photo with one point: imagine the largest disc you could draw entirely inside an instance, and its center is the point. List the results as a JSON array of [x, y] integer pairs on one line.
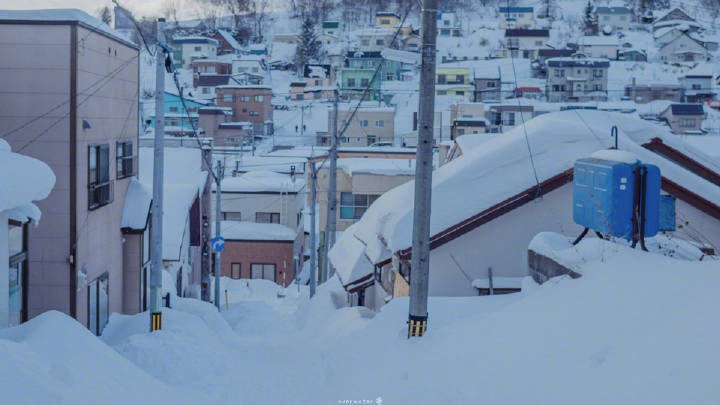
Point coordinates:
[[96, 186], [121, 159], [273, 216]]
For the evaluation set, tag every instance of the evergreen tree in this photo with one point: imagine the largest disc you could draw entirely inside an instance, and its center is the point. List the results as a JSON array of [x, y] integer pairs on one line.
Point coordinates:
[[589, 18], [309, 47]]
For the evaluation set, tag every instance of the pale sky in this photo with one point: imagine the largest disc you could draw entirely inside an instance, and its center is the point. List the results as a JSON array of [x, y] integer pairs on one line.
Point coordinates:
[[138, 7]]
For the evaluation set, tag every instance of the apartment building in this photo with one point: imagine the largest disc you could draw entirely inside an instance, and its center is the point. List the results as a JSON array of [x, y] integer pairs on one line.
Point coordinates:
[[359, 71], [360, 181], [249, 103], [525, 43], [262, 223], [617, 18], [369, 126], [599, 46], [454, 81], [516, 17], [80, 117], [577, 78], [504, 117], [187, 49], [697, 83], [448, 24]]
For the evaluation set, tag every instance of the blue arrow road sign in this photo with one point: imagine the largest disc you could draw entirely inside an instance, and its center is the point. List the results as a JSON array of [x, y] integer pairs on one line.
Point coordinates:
[[218, 244]]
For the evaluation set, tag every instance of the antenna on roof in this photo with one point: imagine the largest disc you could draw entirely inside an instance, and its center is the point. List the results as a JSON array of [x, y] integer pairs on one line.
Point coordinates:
[[614, 134]]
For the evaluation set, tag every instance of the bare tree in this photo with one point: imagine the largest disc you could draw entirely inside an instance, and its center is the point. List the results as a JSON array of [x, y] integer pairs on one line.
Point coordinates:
[[258, 13], [105, 15], [208, 12], [170, 10]]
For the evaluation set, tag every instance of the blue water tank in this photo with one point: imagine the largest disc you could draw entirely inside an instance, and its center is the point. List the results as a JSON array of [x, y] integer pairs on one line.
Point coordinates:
[[603, 196]]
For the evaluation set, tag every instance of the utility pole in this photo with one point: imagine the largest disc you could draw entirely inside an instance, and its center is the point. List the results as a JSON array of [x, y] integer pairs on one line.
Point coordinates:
[[313, 251], [330, 223], [156, 251], [302, 123], [206, 217], [218, 180], [420, 262]]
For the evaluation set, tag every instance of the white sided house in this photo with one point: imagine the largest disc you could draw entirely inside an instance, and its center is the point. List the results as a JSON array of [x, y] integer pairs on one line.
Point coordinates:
[[487, 206], [185, 188], [22, 180]]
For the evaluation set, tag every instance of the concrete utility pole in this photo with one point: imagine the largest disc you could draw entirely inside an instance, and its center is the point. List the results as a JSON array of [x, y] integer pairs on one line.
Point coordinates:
[[218, 180], [330, 223], [420, 270], [206, 216], [156, 251], [313, 251]]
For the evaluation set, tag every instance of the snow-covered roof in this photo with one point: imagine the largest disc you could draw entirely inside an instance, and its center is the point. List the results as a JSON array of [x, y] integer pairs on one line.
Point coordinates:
[[599, 40], [137, 206], [227, 36], [262, 181], [184, 181], [379, 166], [240, 230], [23, 180], [349, 259], [64, 15], [501, 168], [702, 69]]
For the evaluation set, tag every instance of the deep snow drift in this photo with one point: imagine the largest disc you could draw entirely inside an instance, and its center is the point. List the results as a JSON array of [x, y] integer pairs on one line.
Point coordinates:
[[635, 328]]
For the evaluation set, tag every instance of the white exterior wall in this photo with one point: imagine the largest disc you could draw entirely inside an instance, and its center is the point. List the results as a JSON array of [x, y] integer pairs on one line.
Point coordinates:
[[600, 51], [616, 21], [681, 44], [189, 52], [288, 205], [522, 20]]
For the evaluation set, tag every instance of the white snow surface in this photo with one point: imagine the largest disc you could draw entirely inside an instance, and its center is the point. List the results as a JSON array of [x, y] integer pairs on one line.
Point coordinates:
[[241, 230], [614, 155], [635, 328], [62, 15], [386, 167], [23, 179], [137, 205], [479, 178], [262, 181]]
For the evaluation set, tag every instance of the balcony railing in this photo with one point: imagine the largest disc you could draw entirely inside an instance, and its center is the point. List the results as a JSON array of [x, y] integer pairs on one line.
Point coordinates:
[[100, 194]]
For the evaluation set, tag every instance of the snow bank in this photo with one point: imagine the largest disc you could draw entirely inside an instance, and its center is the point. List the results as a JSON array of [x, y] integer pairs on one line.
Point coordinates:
[[615, 156], [137, 205], [54, 359], [23, 180], [241, 230]]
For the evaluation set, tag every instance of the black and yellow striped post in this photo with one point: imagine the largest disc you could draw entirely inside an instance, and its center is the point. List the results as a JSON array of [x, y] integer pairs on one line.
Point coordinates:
[[417, 325], [155, 321]]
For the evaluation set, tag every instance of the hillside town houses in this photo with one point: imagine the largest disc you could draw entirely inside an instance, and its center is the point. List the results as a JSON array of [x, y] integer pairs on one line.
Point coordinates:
[[259, 109]]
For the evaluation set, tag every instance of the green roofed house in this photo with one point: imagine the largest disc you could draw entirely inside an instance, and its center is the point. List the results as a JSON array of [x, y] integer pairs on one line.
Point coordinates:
[[359, 70]]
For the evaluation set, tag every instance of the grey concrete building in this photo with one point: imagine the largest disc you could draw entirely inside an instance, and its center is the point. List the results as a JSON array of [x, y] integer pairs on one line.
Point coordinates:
[[577, 78]]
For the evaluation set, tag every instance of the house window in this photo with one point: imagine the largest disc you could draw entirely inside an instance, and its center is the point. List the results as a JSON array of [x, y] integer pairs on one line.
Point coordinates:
[[228, 98], [262, 271], [344, 139], [687, 123], [460, 79], [379, 42], [559, 72], [232, 216], [351, 82], [696, 86], [442, 79], [380, 124], [259, 99], [442, 92], [371, 139], [99, 184], [353, 206], [173, 109], [459, 93], [245, 98], [267, 217], [384, 22], [365, 42], [192, 109], [254, 114], [125, 159], [490, 84], [364, 82], [389, 76], [206, 90], [509, 119], [97, 308], [364, 123], [197, 49], [597, 73], [235, 270], [538, 43]]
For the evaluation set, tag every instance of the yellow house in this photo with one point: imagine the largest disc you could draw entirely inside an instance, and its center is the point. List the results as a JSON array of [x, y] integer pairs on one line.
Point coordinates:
[[387, 20], [453, 81]]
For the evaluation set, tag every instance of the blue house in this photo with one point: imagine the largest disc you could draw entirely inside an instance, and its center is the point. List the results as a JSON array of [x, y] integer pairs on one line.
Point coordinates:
[[176, 116]]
